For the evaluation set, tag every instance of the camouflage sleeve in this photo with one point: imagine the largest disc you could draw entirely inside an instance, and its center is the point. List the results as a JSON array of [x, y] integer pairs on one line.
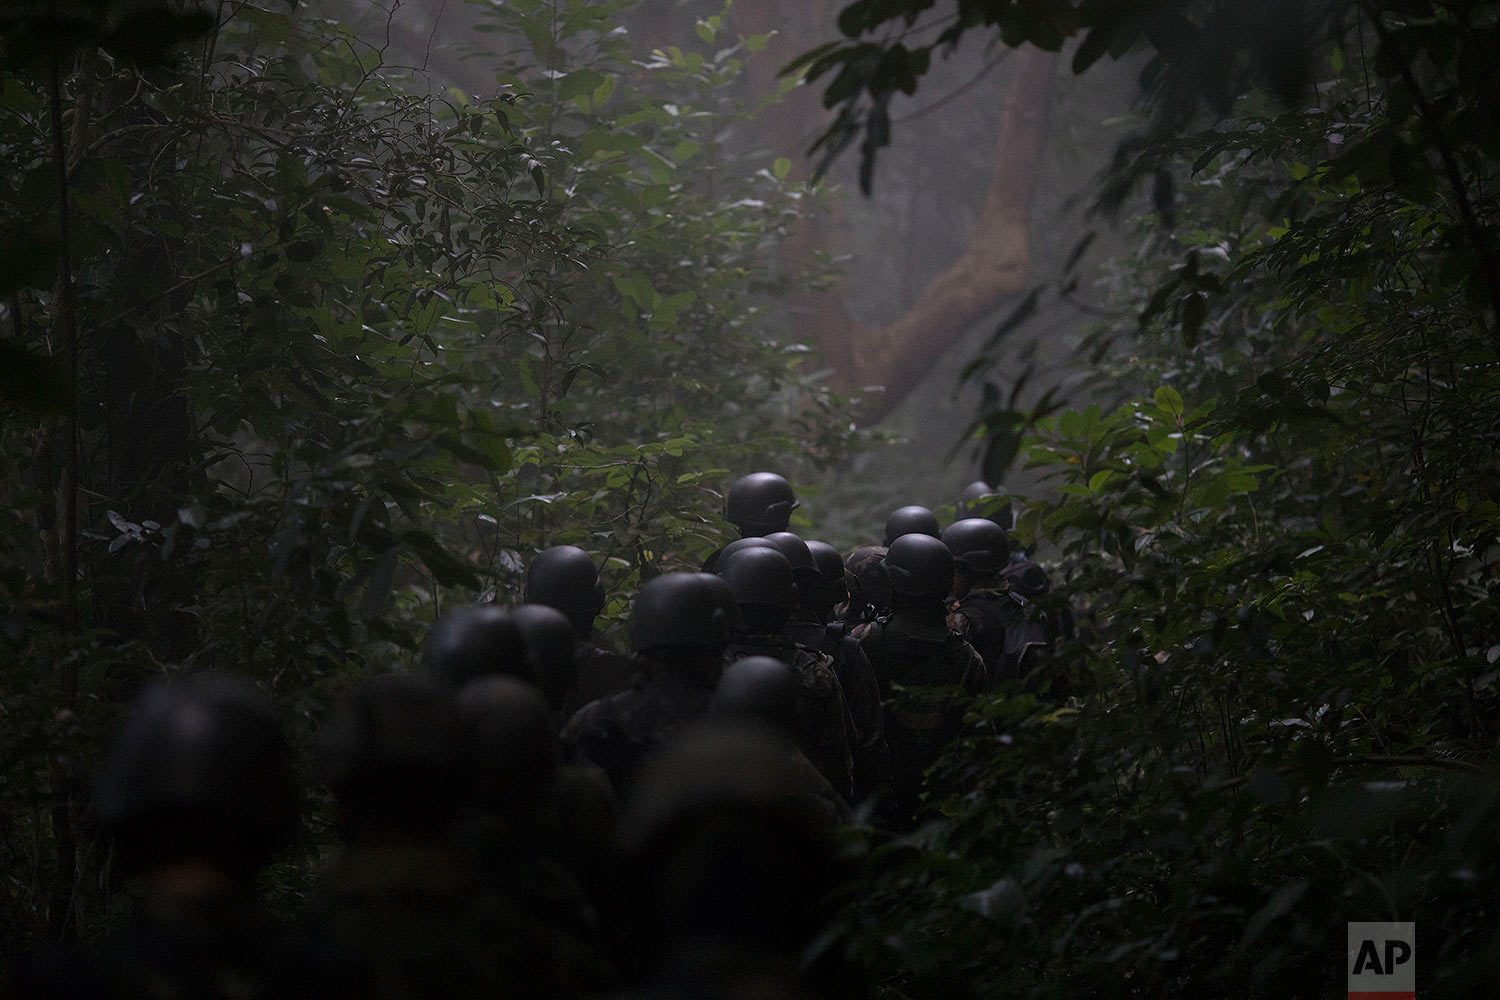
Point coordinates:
[[593, 735], [828, 728], [959, 622]]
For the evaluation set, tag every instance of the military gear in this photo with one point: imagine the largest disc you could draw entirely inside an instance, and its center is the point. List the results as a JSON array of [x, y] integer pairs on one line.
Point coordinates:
[[197, 789], [797, 552], [980, 547], [392, 754], [200, 768], [476, 641], [726, 851], [509, 741], [760, 687], [564, 577], [679, 609], [533, 905], [871, 756], [621, 732], [919, 566], [825, 730], [759, 576], [725, 596], [601, 673], [912, 519], [760, 503], [981, 500], [926, 673], [985, 617], [549, 639], [831, 590], [715, 562], [1026, 577]]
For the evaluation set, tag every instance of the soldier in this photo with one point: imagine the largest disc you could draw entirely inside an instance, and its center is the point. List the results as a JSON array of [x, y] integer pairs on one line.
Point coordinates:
[[832, 589], [912, 519], [758, 505], [550, 649], [933, 667], [982, 500], [869, 588], [680, 630], [1005, 628], [765, 691], [762, 582], [395, 916], [476, 641], [725, 858], [196, 793], [532, 906], [808, 628], [564, 577]]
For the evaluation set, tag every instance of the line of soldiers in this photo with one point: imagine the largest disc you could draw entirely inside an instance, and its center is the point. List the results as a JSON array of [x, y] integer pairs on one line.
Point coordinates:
[[533, 815]]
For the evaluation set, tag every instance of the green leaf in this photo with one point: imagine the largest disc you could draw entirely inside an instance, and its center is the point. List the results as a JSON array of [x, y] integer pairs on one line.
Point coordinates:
[[273, 25], [781, 167], [579, 83], [1170, 400]]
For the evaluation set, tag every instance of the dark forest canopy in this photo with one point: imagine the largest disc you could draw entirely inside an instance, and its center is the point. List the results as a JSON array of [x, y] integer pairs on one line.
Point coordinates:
[[298, 351]]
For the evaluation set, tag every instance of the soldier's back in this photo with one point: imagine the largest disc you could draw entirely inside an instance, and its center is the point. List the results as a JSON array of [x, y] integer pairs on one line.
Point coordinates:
[[620, 732], [825, 729], [927, 674]]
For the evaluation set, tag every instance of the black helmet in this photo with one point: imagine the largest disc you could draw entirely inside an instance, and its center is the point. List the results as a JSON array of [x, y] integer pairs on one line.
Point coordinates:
[[761, 503], [982, 500], [759, 576], [979, 545], [832, 589], [678, 609], [791, 545], [739, 545], [564, 577], [912, 519], [919, 566], [549, 639], [474, 641], [392, 753], [760, 687], [510, 740], [200, 766], [726, 600]]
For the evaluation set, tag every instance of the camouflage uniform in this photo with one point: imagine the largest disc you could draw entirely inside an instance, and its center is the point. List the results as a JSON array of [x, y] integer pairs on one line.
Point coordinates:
[[926, 673], [619, 732], [825, 728], [538, 914], [872, 758], [601, 673], [400, 922]]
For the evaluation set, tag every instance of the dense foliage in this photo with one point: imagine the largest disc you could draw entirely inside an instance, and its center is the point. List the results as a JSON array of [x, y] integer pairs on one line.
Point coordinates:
[[1279, 530], [315, 346], [311, 346]]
